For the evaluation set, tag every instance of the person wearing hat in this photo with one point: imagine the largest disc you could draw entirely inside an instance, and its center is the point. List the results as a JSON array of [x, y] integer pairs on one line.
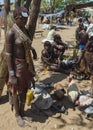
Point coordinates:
[[19, 60]]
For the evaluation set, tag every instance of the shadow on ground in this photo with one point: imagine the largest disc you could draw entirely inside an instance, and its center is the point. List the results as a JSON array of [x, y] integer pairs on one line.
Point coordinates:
[[54, 78], [4, 99]]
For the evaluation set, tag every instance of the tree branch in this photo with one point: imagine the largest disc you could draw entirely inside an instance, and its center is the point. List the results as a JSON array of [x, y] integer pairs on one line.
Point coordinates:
[[17, 3], [33, 17]]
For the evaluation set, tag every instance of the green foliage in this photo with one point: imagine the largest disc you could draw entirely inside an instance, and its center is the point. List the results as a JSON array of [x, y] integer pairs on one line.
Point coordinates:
[[45, 4], [52, 4], [57, 4]]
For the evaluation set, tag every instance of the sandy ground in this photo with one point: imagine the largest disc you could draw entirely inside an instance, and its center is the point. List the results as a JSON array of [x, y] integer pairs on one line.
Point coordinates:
[[75, 120]]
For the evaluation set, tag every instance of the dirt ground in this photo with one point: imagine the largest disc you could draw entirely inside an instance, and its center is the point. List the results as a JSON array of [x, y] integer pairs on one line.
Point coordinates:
[[75, 120]]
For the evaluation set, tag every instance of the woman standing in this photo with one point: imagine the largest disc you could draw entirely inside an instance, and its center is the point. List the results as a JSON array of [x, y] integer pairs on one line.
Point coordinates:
[[19, 60]]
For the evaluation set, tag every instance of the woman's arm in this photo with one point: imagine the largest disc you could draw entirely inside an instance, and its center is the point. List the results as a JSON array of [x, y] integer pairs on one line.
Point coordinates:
[[10, 39]]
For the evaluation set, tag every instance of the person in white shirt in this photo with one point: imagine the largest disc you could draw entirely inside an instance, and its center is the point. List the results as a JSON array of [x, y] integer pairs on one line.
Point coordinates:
[[50, 36], [51, 33]]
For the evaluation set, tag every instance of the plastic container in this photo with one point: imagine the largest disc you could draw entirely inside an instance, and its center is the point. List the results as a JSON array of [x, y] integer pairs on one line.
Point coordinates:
[[29, 97], [46, 68]]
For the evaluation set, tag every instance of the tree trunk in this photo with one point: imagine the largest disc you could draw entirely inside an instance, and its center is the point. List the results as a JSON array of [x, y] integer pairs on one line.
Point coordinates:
[[31, 28], [27, 4], [7, 5], [3, 64], [52, 4], [33, 17], [3, 70], [17, 3], [6, 12]]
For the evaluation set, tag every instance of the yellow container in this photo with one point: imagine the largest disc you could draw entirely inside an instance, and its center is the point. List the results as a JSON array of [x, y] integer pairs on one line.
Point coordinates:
[[29, 97], [46, 68]]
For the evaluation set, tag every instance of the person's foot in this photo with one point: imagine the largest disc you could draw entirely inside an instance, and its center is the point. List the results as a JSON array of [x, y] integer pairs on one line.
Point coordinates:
[[25, 117], [20, 121]]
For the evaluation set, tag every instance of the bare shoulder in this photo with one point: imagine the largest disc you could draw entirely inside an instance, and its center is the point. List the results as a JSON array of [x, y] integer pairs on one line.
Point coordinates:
[[10, 36], [44, 51]]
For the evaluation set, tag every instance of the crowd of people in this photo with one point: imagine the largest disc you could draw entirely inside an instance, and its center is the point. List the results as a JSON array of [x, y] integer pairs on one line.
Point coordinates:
[[52, 56], [66, 17]]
